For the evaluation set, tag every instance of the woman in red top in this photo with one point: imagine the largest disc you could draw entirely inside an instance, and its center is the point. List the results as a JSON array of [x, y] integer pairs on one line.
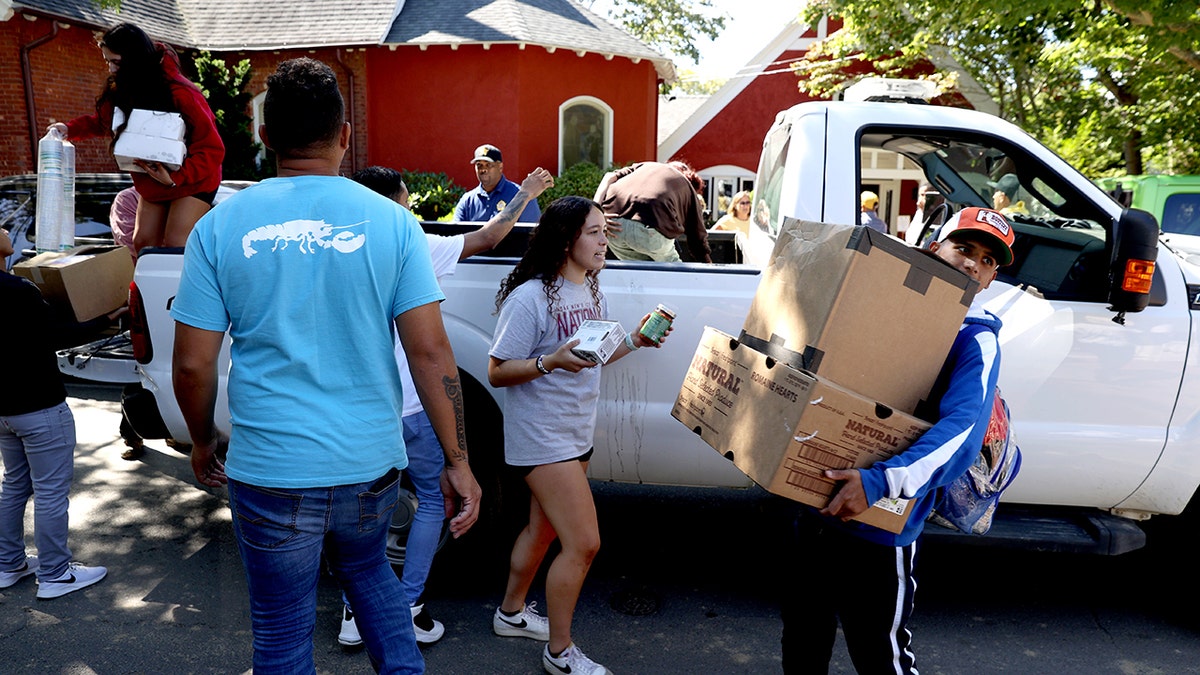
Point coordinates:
[[145, 75]]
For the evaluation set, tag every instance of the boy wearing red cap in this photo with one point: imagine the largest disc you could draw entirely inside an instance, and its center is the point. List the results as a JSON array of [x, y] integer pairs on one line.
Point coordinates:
[[875, 599]]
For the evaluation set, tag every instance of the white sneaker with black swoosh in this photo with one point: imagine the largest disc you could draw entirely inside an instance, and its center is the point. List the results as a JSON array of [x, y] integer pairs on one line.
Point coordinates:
[[525, 623], [571, 662], [28, 566], [76, 577]]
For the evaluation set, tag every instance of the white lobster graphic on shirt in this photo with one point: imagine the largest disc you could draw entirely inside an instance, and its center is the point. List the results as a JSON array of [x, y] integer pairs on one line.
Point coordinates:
[[308, 234]]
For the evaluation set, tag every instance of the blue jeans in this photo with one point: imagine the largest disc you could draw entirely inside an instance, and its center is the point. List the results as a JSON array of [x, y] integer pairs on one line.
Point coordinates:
[[281, 533], [39, 460], [426, 460]]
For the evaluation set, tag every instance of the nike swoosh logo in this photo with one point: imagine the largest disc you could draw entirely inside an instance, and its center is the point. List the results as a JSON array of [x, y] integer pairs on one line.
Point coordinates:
[[514, 624], [65, 581]]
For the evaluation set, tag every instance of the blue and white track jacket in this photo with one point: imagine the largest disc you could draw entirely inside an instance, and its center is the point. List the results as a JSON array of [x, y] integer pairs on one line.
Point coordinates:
[[966, 386]]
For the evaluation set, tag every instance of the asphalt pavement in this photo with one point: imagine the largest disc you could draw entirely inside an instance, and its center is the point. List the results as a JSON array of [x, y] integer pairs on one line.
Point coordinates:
[[687, 581]]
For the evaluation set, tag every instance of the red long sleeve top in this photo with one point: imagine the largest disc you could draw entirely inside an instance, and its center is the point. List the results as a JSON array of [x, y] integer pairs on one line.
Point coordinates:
[[201, 169]]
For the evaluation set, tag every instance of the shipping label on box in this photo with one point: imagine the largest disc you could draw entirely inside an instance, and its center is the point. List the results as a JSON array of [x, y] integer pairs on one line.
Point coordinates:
[[89, 281], [783, 427], [598, 340], [858, 307]]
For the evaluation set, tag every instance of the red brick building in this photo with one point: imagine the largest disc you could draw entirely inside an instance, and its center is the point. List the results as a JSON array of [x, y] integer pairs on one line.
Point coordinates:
[[425, 81]]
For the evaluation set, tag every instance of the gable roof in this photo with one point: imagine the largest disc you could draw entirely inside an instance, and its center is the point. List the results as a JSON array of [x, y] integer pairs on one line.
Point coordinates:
[[255, 25], [549, 23], [765, 62], [674, 110]]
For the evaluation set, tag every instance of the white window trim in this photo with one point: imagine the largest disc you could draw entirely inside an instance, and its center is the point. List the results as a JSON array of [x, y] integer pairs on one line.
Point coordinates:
[[256, 121], [608, 128]]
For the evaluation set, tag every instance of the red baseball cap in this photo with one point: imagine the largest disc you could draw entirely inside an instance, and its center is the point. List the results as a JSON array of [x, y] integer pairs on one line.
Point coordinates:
[[984, 224]]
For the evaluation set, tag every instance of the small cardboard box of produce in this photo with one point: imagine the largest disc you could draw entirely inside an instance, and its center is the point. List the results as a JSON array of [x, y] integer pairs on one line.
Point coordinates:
[[151, 136], [89, 280], [860, 308], [783, 427]]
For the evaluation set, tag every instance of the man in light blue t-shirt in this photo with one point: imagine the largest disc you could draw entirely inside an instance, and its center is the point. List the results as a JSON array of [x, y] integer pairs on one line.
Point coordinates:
[[311, 273]]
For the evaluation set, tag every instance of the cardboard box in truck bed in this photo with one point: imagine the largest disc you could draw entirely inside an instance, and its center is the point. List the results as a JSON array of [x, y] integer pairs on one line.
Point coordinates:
[[860, 308], [783, 427], [89, 280]]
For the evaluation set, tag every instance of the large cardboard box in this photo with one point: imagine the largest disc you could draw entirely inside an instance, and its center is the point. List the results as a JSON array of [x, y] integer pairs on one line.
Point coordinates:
[[860, 308], [783, 427], [89, 280]]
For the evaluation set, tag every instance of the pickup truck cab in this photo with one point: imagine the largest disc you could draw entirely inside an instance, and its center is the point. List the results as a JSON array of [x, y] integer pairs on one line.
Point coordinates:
[[1098, 373]]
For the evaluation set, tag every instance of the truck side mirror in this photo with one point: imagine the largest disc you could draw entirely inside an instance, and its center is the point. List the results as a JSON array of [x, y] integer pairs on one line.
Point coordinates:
[[1136, 249]]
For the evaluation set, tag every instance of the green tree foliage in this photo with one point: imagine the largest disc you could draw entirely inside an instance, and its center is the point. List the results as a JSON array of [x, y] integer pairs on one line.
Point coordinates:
[[1110, 84], [689, 84], [431, 196], [225, 89], [673, 25]]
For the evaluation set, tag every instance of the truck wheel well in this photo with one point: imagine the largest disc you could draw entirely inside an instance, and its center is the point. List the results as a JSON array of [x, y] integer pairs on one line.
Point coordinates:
[[505, 507]]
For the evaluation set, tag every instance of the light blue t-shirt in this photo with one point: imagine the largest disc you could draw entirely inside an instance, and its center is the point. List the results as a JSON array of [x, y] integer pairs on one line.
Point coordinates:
[[307, 274]]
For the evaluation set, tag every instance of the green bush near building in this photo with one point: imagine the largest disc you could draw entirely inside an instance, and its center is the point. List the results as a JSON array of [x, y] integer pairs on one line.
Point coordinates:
[[431, 196]]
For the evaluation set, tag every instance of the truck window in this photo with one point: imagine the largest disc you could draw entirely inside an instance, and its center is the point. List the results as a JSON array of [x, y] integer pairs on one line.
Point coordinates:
[[1181, 214], [1062, 245], [766, 213]]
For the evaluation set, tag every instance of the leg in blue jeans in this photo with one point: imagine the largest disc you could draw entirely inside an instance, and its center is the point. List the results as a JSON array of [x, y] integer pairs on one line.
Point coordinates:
[[426, 459], [39, 460], [281, 533]]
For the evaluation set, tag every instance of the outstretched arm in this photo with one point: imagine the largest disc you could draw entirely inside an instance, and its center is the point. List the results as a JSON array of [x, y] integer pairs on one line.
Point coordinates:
[[491, 234], [431, 362]]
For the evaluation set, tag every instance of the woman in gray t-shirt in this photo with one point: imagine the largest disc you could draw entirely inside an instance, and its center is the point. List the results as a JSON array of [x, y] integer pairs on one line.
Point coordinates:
[[551, 416]]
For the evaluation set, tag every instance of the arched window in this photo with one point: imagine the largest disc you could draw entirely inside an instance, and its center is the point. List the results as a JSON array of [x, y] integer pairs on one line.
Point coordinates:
[[584, 133]]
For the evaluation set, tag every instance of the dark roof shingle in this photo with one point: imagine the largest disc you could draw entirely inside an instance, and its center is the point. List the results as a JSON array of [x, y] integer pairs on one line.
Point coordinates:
[[233, 25]]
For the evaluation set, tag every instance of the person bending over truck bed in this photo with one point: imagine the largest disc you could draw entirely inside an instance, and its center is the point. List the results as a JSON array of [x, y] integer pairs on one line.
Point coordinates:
[[874, 600], [648, 205], [312, 274]]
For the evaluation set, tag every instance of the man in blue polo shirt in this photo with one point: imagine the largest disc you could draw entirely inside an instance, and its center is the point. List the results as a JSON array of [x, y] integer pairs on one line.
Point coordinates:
[[494, 192]]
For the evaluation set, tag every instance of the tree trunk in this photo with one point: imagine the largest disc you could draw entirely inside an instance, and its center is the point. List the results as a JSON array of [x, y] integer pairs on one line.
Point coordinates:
[[1133, 152]]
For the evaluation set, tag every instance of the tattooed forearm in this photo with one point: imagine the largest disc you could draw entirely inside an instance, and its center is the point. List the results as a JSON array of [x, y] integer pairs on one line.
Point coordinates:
[[453, 388]]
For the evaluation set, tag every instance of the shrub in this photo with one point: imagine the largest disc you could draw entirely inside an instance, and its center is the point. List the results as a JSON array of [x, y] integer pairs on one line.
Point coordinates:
[[225, 88], [580, 180], [431, 196]]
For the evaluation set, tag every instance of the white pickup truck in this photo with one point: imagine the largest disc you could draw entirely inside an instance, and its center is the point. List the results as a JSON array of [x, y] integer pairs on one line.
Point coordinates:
[[1106, 404]]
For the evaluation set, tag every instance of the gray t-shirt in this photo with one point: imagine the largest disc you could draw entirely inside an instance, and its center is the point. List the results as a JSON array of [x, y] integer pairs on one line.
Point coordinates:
[[551, 418]]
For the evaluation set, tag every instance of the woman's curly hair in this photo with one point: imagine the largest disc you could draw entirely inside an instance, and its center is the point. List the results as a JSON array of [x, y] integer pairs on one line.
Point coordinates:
[[549, 246]]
